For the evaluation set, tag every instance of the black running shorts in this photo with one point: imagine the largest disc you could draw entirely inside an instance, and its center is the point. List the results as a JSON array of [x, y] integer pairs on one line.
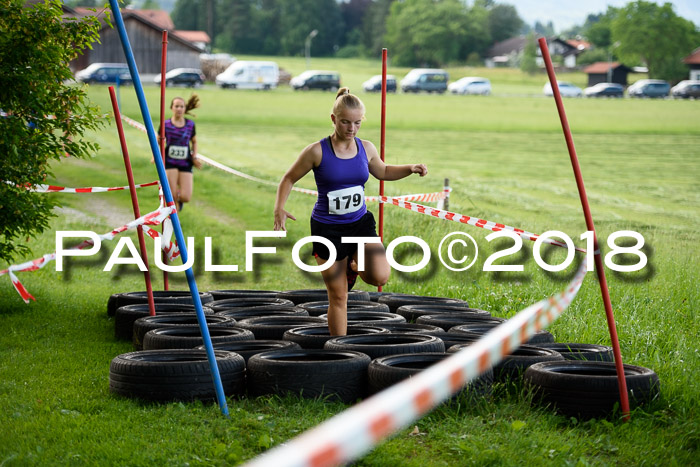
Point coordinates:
[[364, 227]]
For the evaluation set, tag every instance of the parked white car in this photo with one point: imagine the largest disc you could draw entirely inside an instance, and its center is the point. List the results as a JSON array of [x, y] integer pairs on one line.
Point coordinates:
[[471, 85], [565, 89]]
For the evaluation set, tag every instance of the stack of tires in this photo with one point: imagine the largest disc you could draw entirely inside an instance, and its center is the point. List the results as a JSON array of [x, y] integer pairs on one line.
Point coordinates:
[[272, 342]]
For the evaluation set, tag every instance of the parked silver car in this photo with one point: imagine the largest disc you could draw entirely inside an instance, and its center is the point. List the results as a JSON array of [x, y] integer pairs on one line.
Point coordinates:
[[565, 89], [687, 89], [471, 85]]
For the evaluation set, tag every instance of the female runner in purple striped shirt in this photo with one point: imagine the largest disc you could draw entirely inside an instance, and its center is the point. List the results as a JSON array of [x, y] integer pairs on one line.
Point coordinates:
[[181, 149], [341, 164]]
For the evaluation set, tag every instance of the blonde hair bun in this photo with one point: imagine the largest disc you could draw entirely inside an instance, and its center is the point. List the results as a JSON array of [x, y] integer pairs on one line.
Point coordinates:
[[345, 100]]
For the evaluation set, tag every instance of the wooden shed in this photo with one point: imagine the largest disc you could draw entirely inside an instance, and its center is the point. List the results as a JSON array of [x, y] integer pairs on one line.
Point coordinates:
[[145, 30], [693, 62], [598, 73]]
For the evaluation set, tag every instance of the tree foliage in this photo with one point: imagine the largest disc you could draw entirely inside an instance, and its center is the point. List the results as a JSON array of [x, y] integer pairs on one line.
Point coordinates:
[[529, 61], [453, 29], [654, 35], [42, 118], [190, 15], [424, 32], [504, 22]]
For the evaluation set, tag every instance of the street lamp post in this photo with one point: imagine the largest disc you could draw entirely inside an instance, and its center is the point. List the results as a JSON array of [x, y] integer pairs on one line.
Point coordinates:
[[307, 48]]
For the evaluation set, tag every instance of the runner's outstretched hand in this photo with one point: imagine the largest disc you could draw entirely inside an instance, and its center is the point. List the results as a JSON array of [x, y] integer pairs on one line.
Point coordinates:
[[280, 219]]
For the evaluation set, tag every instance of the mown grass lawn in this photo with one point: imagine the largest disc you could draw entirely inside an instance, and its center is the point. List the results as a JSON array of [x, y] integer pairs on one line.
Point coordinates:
[[506, 161]]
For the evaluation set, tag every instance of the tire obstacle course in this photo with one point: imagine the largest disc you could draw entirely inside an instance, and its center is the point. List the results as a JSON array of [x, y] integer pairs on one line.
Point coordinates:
[[283, 354]]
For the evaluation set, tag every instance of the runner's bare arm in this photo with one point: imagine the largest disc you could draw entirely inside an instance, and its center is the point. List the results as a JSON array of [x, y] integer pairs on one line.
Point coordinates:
[[196, 162], [309, 158], [383, 171]]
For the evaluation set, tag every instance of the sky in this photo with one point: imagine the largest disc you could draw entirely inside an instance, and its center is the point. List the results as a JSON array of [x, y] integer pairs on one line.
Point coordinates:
[[567, 13]]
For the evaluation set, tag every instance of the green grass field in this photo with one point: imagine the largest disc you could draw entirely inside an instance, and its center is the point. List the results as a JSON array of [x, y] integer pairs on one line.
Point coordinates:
[[507, 162]]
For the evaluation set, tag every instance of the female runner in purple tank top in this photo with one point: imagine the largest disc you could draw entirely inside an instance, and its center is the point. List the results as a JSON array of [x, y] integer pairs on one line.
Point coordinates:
[[341, 164], [181, 149]]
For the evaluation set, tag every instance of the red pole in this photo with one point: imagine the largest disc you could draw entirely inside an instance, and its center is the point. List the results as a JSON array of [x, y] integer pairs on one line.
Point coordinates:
[[622, 383], [382, 143], [134, 198], [161, 138]]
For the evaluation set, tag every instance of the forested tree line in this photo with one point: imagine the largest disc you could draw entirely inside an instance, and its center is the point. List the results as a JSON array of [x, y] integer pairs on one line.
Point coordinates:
[[430, 32], [418, 32]]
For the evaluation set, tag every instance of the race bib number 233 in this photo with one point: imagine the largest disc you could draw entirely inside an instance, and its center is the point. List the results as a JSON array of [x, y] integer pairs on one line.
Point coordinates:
[[178, 152]]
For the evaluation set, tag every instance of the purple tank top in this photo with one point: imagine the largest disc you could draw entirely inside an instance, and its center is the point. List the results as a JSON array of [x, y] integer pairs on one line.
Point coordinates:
[[341, 186], [177, 148]]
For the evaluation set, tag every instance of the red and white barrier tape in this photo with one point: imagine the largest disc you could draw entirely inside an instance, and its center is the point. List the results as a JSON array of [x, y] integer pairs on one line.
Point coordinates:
[[424, 197], [152, 218], [475, 221], [354, 432], [94, 189]]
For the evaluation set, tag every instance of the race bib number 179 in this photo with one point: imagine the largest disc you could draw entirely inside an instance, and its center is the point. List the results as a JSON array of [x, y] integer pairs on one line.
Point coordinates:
[[346, 200]]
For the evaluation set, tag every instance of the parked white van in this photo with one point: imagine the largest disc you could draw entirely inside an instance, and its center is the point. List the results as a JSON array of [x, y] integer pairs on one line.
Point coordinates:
[[243, 74]]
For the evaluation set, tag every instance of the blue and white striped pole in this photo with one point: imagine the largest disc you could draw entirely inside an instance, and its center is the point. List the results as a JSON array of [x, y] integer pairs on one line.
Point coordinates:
[[177, 229]]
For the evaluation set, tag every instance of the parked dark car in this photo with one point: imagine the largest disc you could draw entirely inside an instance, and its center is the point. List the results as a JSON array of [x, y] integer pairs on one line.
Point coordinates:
[[686, 89], [316, 79], [605, 90], [374, 84], [189, 77], [425, 79], [649, 88], [106, 73]]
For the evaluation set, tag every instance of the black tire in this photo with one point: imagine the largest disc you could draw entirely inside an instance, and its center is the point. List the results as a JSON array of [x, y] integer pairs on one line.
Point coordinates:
[[576, 351], [260, 311], [413, 312], [387, 371], [394, 301], [148, 323], [540, 337], [371, 318], [321, 307], [240, 293], [159, 296], [588, 389], [450, 320], [408, 328], [315, 337], [451, 339], [513, 365], [375, 296], [311, 373], [125, 316], [189, 338], [273, 327], [379, 345], [316, 295], [247, 349], [247, 302], [165, 375]]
